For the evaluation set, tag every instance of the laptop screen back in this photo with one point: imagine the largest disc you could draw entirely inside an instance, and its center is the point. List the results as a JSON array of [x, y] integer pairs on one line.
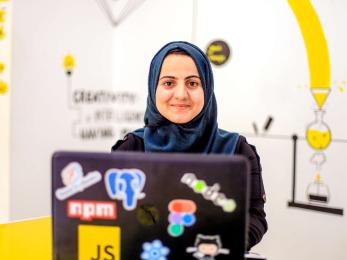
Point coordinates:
[[148, 206]]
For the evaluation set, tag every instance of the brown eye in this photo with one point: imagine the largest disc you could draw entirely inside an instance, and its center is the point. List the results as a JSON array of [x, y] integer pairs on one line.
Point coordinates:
[[193, 84], [168, 83]]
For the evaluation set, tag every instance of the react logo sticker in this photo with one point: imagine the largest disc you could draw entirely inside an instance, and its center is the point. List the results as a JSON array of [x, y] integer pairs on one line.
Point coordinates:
[[210, 193], [181, 215], [125, 185], [207, 247], [74, 181], [154, 250]]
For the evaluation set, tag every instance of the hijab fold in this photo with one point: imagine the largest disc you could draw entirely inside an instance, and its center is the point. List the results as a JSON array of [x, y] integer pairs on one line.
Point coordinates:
[[201, 134]]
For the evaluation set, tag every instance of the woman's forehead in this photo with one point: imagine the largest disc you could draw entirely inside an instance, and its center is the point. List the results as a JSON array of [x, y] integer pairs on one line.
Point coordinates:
[[177, 64]]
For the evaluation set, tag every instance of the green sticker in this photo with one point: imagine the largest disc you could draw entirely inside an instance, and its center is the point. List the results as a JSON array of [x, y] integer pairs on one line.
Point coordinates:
[[199, 186], [175, 230]]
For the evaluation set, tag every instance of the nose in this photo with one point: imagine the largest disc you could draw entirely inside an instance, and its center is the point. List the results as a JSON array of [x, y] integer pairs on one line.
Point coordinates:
[[181, 91]]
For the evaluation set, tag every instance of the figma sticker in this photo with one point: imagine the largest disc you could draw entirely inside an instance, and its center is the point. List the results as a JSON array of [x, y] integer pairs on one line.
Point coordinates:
[[125, 185], [181, 215], [207, 247], [154, 250], [210, 193], [88, 210], [74, 181]]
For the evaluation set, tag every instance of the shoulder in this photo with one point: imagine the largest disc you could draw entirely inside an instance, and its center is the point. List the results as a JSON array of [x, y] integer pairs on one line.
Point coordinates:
[[249, 151], [130, 142]]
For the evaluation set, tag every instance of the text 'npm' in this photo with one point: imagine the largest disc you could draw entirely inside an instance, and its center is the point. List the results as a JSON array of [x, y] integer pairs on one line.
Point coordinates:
[[89, 210]]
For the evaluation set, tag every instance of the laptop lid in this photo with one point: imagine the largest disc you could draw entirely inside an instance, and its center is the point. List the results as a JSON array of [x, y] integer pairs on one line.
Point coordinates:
[[131, 205]]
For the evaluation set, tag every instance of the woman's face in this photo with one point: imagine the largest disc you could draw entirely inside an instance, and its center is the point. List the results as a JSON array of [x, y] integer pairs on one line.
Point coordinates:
[[179, 95]]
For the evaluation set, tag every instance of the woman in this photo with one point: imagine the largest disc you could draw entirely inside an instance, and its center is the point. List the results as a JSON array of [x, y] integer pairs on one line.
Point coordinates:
[[181, 116]]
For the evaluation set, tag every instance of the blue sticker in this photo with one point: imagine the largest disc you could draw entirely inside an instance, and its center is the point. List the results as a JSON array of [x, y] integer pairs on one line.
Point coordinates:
[[125, 185], [154, 250]]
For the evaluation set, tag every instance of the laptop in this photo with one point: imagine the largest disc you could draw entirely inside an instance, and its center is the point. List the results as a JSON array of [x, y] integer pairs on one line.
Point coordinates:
[[133, 205]]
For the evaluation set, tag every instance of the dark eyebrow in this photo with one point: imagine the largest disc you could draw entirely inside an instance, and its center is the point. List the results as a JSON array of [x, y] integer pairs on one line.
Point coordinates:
[[167, 77], [172, 77], [192, 76]]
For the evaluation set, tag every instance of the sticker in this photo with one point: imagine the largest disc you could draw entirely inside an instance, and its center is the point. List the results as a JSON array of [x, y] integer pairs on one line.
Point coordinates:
[[207, 247], [154, 250], [74, 181], [218, 52], [209, 192], [147, 215], [88, 210], [98, 242], [125, 185], [181, 215]]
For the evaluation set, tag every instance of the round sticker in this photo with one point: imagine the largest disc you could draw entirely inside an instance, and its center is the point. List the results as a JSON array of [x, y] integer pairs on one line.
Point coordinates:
[[218, 52], [147, 215]]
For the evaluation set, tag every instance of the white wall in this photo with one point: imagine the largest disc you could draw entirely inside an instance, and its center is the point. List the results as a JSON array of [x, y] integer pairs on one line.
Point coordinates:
[[43, 33], [5, 94], [267, 75]]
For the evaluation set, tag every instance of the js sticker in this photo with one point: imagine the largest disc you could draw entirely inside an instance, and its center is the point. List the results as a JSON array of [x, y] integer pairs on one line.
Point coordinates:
[[98, 242]]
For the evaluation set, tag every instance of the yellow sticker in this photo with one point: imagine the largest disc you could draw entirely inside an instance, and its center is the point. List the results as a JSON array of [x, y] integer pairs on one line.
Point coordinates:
[[2, 15], [3, 87], [2, 33], [98, 242], [2, 67]]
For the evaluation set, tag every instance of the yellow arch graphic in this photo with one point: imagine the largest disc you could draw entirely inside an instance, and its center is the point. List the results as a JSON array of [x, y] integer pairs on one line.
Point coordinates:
[[316, 48]]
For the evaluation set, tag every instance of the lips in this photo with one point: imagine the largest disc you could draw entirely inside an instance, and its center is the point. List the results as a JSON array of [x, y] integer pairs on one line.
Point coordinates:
[[180, 107]]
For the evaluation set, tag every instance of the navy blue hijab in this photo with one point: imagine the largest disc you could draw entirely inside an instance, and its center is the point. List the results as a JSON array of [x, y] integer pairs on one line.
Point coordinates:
[[201, 134]]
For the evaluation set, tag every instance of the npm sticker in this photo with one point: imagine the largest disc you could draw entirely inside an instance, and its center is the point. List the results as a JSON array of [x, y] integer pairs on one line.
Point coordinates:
[[98, 242], [88, 210]]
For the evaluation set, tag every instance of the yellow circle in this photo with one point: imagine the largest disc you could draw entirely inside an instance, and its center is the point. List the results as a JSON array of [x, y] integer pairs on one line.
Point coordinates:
[[69, 62], [2, 33], [2, 67], [318, 140], [3, 87]]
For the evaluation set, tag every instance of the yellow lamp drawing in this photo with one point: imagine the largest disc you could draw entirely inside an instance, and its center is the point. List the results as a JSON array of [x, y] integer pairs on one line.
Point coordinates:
[[69, 64]]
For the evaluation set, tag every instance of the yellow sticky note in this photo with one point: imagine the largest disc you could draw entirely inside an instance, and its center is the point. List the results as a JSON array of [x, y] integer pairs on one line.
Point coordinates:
[[98, 242]]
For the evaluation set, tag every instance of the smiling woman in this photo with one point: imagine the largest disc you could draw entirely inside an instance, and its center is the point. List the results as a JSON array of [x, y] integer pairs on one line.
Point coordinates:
[[180, 95], [181, 116]]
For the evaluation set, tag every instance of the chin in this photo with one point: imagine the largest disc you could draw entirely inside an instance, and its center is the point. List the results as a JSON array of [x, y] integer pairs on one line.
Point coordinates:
[[178, 120]]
